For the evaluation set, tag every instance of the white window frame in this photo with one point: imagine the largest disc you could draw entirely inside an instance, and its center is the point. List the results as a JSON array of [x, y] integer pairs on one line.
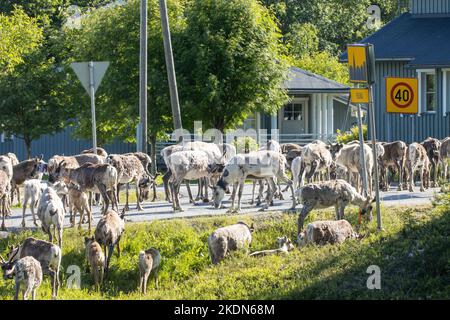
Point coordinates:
[[445, 73], [422, 107]]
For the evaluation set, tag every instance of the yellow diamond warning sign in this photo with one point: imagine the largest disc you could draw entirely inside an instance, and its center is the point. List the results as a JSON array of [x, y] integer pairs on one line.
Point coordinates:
[[402, 95]]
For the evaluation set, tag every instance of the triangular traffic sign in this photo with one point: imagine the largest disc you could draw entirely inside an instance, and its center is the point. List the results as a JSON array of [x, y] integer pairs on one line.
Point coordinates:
[[82, 71]]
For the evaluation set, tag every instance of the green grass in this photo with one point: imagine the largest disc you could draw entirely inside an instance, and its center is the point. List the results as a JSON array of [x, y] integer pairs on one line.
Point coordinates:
[[413, 252]]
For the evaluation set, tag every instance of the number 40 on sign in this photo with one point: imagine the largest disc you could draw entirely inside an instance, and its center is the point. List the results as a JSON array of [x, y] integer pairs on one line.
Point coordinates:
[[402, 95]]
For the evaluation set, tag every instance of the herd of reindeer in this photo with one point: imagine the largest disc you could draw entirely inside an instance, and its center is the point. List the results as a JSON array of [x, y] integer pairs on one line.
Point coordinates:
[[332, 171]]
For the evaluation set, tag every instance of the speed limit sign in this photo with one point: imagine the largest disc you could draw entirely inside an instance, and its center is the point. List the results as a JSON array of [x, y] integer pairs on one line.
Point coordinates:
[[402, 95]]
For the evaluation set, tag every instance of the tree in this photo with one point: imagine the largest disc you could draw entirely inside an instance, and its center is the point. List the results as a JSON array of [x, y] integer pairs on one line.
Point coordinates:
[[302, 40], [338, 22], [113, 35], [32, 102], [324, 64], [231, 63], [19, 35]]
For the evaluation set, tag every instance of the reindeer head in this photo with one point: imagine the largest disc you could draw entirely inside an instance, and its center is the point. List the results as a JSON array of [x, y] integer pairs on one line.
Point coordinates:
[[88, 241], [145, 183], [8, 267], [285, 242], [366, 209]]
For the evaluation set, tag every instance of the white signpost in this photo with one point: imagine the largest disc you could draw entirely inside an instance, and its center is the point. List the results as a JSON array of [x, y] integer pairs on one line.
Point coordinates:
[[91, 75]]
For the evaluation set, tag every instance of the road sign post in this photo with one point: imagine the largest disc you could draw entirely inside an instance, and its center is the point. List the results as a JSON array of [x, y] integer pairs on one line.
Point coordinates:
[[92, 94], [90, 75], [361, 61]]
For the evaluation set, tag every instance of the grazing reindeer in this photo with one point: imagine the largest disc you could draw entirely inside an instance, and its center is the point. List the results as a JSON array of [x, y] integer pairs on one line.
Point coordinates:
[[323, 232], [108, 232], [224, 240], [146, 163], [27, 272], [337, 193], [284, 246], [51, 212], [95, 259], [48, 255], [149, 261], [98, 178], [259, 164], [5, 190]]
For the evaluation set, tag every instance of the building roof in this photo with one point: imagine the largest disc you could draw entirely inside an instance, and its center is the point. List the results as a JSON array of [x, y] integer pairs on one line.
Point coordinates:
[[301, 81], [421, 40]]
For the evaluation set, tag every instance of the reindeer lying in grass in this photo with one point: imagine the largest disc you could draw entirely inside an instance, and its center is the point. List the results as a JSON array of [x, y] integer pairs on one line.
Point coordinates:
[[284, 246]]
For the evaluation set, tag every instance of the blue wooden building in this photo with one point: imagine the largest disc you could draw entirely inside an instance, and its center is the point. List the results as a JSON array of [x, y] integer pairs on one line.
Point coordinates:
[[415, 44]]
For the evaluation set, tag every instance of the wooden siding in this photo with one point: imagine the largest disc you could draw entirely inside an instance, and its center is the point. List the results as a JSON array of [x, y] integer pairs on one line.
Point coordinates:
[[391, 127], [61, 143], [430, 6]]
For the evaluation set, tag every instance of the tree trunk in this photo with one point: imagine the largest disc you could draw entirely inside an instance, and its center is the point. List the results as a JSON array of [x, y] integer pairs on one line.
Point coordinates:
[[28, 147], [154, 168]]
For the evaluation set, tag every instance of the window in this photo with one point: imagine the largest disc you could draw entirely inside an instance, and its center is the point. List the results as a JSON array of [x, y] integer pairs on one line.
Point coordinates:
[[427, 91], [430, 103], [446, 90], [293, 111], [250, 122]]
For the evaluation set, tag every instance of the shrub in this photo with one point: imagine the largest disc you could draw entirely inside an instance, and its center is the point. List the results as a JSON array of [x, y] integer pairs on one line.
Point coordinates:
[[353, 134]]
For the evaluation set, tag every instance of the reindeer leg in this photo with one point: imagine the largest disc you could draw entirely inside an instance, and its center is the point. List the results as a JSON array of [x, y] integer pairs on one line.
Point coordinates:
[[206, 184], [307, 207], [138, 205], [191, 198], [253, 192], [104, 193], [166, 177], [25, 200]]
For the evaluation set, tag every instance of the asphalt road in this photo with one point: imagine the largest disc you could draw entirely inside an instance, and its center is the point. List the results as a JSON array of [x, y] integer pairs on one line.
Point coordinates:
[[163, 210]]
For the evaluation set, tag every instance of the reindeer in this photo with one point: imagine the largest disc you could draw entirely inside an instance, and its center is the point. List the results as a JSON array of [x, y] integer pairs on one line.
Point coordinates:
[[27, 271], [108, 233], [51, 212], [337, 193], [48, 255], [97, 178], [100, 152], [284, 246], [433, 148], [25, 170], [224, 240], [324, 232], [5, 190], [95, 259], [445, 156], [146, 163], [417, 158], [33, 190], [394, 156], [129, 168], [259, 164], [149, 261]]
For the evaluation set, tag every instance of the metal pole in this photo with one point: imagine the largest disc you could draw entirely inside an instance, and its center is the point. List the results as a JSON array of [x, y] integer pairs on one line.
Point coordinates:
[[170, 66], [362, 154], [143, 78], [92, 94], [375, 156]]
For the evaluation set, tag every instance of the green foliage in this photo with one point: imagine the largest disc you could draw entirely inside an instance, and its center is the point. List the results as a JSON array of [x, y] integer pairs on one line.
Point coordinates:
[[338, 22], [353, 134], [324, 64], [412, 251], [245, 144], [231, 62], [113, 35], [302, 40], [33, 101], [19, 35]]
